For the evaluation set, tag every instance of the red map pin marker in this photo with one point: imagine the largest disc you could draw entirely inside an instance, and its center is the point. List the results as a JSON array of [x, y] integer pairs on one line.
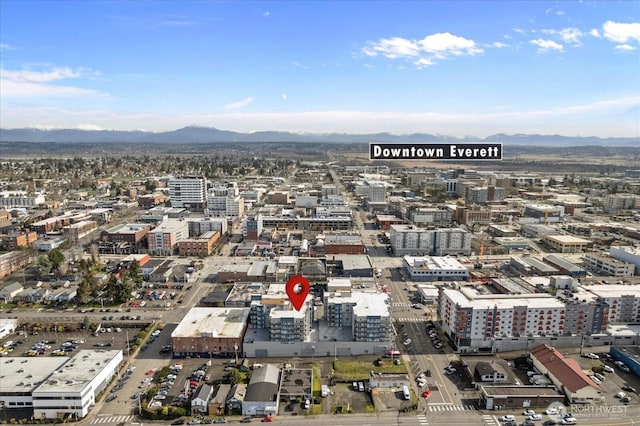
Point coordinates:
[[297, 290]]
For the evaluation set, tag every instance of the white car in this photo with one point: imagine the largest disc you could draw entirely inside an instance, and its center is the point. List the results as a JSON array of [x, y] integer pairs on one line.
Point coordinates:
[[591, 355], [595, 380], [529, 412], [421, 383], [551, 411], [607, 368], [620, 395], [569, 421], [535, 417], [508, 418], [407, 342]]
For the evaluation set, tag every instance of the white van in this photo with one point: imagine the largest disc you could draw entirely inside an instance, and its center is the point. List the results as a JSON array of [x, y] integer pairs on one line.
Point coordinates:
[[360, 386], [405, 393]]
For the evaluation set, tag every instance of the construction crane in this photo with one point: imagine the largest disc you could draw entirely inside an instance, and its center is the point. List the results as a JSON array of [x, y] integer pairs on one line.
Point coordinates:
[[478, 264]]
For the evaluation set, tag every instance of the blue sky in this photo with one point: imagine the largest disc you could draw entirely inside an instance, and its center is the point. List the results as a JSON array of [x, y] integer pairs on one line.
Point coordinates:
[[455, 68]]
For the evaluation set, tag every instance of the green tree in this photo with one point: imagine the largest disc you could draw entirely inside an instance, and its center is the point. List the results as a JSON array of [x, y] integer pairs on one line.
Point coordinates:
[[234, 376], [84, 291], [56, 257], [44, 264]]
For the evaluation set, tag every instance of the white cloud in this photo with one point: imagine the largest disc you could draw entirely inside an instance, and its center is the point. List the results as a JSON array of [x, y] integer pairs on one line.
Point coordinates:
[[546, 45], [5, 46], [571, 35], [283, 96], [595, 33], [568, 35], [434, 46], [499, 45], [423, 63], [240, 104], [625, 47], [621, 32], [266, 14], [29, 83], [449, 43], [396, 47]]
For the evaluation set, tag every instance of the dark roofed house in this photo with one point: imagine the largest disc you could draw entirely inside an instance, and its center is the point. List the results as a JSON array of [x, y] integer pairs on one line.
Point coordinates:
[[566, 374], [235, 398], [486, 372], [218, 402], [262, 393]]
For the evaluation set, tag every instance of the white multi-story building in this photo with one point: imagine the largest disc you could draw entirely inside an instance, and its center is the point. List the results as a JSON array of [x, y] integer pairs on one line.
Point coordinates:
[[623, 301], [614, 203], [223, 200], [20, 199], [188, 192], [163, 240], [473, 320], [372, 191], [437, 268], [273, 311], [608, 265], [367, 313], [71, 390], [627, 254], [411, 240]]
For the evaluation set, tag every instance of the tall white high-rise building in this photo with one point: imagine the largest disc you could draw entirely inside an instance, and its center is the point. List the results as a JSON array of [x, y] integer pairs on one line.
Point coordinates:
[[188, 192]]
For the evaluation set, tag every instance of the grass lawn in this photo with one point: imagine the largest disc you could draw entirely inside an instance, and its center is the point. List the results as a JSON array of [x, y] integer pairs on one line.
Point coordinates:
[[358, 370]]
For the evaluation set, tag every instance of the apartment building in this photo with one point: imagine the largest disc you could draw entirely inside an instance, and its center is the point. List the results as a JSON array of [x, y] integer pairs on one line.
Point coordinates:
[[200, 246], [411, 240], [472, 319], [614, 203], [429, 216], [623, 301], [163, 240], [271, 310], [367, 313], [200, 226]]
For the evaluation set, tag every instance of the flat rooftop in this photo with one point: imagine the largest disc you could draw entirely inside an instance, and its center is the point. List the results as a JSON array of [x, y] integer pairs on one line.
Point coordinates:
[[469, 298], [127, 228], [607, 291], [24, 374], [525, 391], [78, 372], [213, 322], [434, 262], [567, 239]]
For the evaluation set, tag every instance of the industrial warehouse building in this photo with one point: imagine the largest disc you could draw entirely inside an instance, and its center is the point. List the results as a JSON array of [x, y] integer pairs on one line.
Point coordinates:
[[210, 332], [57, 388]]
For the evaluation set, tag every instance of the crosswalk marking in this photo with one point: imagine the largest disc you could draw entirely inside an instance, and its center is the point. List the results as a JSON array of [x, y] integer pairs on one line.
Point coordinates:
[[451, 407], [412, 319], [112, 419], [489, 420], [401, 304], [422, 419]]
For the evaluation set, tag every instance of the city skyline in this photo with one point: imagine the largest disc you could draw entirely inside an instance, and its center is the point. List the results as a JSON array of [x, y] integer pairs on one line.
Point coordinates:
[[452, 68]]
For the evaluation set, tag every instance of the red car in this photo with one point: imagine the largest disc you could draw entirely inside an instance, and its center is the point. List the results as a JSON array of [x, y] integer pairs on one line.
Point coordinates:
[[267, 419], [426, 394]]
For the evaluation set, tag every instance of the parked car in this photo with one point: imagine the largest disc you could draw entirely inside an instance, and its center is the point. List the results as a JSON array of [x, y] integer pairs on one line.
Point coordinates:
[[508, 418], [246, 420], [591, 355], [535, 417], [607, 368], [629, 389]]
